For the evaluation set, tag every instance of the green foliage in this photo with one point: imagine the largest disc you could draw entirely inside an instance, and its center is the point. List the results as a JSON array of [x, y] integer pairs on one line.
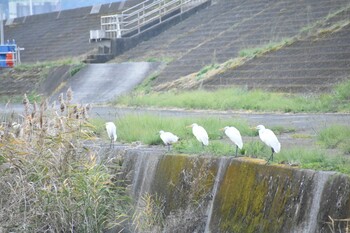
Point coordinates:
[[206, 69], [342, 92], [33, 97], [149, 213], [240, 99], [47, 64], [145, 86], [166, 60], [253, 52], [76, 68], [145, 128], [336, 136], [50, 181], [315, 159], [256, 149]]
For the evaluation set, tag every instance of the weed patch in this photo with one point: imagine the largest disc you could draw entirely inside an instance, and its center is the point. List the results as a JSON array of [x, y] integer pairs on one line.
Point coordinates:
[[240, 99], [50, 181]]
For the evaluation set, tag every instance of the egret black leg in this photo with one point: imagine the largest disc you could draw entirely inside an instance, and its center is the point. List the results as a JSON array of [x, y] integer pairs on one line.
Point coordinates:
[[168, 147], [236, 151], [272, 154], [271, 157]]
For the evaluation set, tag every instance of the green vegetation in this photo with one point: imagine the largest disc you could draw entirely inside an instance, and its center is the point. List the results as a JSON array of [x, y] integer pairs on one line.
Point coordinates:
[[326, 25], [166, 60], [240, 99], [50, 181], [145, 86], [205, 70], [149, 213], [254, 52], [47, 64], [32, 97], [76, 68], [316, 159], [145, 128], [336, 136]]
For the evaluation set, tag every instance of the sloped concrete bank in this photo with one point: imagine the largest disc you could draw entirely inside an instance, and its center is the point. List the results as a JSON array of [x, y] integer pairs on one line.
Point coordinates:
[[224, 194]]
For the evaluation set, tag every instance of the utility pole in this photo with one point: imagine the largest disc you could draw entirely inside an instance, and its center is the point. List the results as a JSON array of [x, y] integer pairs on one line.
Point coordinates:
[[30, 7], [1, 26]]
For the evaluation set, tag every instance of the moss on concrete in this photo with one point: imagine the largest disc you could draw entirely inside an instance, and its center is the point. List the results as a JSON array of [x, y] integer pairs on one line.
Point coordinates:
[[184, 180]]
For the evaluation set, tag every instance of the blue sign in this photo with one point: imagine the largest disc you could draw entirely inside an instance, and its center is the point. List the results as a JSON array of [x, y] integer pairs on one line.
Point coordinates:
[[7, 53]]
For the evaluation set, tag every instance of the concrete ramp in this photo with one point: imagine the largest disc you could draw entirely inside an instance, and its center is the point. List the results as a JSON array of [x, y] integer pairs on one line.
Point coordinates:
[[100, 83]]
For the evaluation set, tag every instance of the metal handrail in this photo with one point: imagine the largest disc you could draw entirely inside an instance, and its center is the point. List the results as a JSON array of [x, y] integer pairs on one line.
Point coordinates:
[[139, 15]]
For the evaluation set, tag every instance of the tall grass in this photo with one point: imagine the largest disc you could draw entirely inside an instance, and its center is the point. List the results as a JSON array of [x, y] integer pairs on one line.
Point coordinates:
[[145, 128], [240, 99], [336, 136], [315, 159], [253, 52], [50, 181]]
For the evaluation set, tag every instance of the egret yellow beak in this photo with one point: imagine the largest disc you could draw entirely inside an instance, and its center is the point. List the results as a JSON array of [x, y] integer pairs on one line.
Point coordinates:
[[189, 126], [222, 129]]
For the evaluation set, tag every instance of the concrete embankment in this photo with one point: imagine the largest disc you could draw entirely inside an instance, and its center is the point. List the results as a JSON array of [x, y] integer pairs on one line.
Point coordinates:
[[224, 194]]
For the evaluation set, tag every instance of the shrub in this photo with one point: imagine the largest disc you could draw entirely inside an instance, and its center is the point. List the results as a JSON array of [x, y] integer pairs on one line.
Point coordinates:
[[50, 181]]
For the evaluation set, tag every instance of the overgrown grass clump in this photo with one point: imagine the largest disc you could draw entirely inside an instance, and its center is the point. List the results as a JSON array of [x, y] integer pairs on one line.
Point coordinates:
[[336, 137], [145, 128], [50, 181], [240, 99], [48, 64], [315, 158]]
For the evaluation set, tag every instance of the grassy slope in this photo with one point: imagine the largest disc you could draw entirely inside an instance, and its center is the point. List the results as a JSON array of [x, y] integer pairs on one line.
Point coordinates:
[[239, 99]]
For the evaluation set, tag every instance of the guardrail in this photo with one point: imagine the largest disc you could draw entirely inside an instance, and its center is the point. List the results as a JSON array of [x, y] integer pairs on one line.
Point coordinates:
[[150, 12]]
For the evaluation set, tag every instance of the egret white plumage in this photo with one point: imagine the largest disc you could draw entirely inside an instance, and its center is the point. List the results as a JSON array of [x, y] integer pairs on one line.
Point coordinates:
[[235, 136], [112, 132], [200, 133], [270, 139], [168, 138]]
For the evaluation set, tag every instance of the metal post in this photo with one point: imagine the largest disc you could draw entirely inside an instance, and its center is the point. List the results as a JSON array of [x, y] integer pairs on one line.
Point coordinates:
[[1, 26], [138, 21], [30, 7]]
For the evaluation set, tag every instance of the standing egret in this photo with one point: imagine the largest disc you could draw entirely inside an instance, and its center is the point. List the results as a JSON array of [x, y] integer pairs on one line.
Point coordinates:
[[235, 136], [270, 139], [168, 138], [200, 133], [112, 132]]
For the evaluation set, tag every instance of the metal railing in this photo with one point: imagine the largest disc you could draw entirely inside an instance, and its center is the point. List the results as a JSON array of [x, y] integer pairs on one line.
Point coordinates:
[[135, 19]]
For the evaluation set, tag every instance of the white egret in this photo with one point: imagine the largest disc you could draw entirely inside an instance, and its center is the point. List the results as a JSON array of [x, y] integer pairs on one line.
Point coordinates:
[[112, 132], [200, 133], [168, 138], [234, 135], [270, 139]]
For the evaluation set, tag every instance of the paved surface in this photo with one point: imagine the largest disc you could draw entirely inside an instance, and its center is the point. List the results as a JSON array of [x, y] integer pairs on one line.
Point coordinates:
[[301, 122], [99, 83]]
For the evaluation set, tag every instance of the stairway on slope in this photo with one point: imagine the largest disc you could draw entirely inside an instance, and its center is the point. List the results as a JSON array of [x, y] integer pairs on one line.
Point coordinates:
[[58, 35], [251, 33], [308, 65], [218, 33]]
